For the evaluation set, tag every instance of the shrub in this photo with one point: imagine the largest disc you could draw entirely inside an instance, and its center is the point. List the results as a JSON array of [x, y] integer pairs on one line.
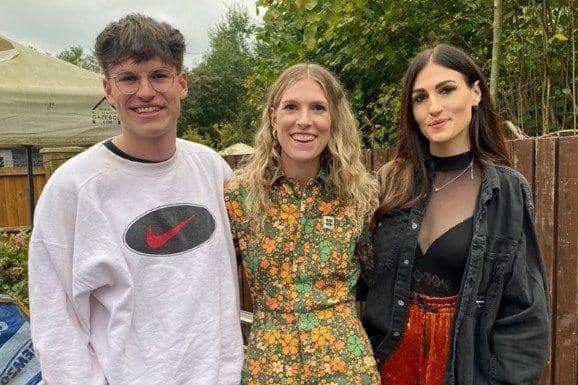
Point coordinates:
[[13, 265]]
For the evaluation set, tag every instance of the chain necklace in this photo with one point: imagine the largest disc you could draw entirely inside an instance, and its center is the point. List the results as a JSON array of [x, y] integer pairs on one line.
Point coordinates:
[[469, 166]]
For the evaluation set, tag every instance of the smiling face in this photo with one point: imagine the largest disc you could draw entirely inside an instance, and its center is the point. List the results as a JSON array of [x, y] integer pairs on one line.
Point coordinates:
[[442, 104], [302, 123], [147, 115]]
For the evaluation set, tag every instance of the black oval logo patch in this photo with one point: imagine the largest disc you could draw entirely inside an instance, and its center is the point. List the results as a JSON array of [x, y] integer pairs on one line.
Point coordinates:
[[170, 230]]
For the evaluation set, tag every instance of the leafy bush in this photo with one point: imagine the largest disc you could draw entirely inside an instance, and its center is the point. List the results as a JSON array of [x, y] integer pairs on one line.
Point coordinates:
[[13, 265]]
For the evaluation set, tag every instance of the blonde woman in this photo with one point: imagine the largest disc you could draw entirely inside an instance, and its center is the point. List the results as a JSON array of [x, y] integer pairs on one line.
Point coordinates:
[[298, 211]]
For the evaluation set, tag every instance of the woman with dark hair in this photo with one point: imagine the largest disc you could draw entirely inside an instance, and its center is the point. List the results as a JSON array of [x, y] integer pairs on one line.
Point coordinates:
[[459, 295]]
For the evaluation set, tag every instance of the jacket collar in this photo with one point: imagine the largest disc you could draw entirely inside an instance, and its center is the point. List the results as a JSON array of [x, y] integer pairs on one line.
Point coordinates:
[[490, 182]]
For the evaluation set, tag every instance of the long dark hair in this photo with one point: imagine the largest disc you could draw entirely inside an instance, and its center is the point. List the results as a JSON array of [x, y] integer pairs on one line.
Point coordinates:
[[406, 172]]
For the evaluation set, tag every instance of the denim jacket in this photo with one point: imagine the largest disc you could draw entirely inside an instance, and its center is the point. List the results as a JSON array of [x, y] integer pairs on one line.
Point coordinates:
[[501, 324]]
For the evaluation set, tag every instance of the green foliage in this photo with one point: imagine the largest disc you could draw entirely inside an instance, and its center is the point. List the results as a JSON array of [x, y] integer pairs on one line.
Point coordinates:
[[75, 55], [216, 111], [537, 65], [192, 134], [13, 265], [369, 43]]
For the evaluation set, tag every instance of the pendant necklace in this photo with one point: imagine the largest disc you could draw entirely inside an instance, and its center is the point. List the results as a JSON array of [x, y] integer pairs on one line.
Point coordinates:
[[469, 166]]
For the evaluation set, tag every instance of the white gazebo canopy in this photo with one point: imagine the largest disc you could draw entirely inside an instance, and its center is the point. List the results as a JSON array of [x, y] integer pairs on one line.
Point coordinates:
[[237, 149], [47, 102]]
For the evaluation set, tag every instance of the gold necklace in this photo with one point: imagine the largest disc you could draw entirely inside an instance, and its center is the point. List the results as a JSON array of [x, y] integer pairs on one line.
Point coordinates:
[[469, 166]]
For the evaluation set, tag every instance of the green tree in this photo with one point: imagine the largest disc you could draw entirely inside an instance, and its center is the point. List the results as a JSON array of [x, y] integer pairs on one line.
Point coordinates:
[[217, 111], [75, 55], [537, 66], [368, 44], [497, 29]]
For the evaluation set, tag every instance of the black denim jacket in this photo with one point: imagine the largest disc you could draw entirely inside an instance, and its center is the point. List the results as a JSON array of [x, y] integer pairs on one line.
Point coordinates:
[[501, 324]]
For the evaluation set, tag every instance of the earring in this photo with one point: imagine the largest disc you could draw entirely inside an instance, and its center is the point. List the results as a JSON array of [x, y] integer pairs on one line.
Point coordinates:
[[274, 133]]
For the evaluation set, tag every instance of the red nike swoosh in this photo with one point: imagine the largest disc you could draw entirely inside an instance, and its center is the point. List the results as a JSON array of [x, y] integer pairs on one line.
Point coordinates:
[[157, 241]]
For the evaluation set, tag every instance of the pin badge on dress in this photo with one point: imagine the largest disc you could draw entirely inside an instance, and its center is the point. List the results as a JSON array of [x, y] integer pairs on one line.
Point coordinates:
[[328, 222]]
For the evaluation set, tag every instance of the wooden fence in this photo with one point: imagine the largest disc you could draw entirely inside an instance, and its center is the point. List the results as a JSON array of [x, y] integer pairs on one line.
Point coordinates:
[[14, 196], [551, 167]]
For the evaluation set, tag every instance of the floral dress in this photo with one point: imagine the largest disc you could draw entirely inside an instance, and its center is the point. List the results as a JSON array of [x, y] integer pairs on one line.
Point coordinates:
[[302, 273]]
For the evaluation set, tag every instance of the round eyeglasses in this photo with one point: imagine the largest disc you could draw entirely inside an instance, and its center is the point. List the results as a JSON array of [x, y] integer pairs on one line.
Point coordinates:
[[129, 83]]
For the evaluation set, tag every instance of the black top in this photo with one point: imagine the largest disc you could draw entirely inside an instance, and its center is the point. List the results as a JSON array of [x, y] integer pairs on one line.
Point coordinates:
[[438, 272], [452, 163], [111, 146]]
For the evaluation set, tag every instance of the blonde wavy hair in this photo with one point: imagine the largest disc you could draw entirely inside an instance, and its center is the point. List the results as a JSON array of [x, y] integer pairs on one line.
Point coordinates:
[[347, 177]]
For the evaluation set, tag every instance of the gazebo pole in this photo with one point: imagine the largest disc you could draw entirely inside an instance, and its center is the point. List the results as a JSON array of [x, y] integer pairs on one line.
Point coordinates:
[[30, 183]]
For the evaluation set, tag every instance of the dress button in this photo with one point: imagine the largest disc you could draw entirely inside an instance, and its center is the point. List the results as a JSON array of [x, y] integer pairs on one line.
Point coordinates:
[[413, 225], [400, 303], [406, 261], [396, 334]]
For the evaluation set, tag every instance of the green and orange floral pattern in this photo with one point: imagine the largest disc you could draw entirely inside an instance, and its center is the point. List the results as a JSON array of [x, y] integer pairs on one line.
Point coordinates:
[[302, 273]]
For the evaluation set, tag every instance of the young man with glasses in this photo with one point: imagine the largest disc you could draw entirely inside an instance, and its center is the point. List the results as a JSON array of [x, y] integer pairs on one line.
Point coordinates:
[[132, 267]]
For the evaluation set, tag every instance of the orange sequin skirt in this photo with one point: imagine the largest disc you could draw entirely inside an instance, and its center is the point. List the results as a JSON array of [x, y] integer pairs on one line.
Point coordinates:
[[420, 358]]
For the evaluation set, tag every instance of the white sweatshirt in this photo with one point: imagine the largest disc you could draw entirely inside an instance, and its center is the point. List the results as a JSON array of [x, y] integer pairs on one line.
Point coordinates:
[[133, 274]]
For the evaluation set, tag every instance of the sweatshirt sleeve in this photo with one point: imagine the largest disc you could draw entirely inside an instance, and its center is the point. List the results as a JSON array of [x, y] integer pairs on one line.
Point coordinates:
[[59, 304], [519, 335]]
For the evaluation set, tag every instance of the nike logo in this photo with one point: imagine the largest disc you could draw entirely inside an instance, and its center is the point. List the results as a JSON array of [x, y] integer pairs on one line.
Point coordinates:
[[157, 241]]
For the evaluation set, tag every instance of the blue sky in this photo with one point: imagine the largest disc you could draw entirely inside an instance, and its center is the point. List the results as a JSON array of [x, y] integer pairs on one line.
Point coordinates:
[[54, 25]]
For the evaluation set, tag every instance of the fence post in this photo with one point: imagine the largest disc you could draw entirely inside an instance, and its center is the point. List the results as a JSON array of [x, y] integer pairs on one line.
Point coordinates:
[[55, 157]]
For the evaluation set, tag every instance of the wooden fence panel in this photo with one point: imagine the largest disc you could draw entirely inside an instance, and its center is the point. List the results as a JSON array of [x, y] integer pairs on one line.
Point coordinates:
[[545, 204], [523, 151], [14, 196], [3, 203], [367, 158], [380, 157], [566, 344], [14, 202]]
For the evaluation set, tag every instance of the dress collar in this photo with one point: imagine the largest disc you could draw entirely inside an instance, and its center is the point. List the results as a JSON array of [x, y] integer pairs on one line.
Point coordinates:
[[279, 174]]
